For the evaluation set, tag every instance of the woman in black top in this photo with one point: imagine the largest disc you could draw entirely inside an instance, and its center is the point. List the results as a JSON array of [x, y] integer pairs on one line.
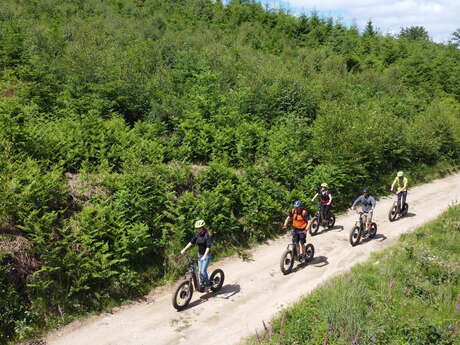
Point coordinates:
[[203, 239], [325, 201]]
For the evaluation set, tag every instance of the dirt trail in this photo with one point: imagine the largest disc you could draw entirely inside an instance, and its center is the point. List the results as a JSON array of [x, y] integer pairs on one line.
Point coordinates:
[[254, 290]]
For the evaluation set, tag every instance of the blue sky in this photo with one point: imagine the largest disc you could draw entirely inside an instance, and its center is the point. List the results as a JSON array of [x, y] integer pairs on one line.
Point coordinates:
[[439, 17]]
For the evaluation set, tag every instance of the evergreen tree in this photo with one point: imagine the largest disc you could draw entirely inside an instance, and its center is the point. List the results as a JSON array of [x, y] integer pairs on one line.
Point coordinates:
[[455, 40], [369, 30], [414, 33]]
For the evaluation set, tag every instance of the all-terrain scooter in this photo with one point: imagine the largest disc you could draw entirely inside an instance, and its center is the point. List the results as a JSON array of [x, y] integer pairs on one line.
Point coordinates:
[[317, 220], [184, 290], [396, 211], [359, 230], [292, 254]]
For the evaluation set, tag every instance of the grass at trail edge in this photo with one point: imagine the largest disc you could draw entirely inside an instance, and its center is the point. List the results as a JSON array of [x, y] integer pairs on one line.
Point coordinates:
[[406, 294]]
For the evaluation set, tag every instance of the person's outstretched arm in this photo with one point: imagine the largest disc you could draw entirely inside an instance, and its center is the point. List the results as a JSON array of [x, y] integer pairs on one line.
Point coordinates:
[[358, 200], [286, 222], [316, 195], [393, 184], [186, 247]]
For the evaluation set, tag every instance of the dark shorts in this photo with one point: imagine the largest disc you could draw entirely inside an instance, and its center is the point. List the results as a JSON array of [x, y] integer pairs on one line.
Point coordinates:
[[298, 235]]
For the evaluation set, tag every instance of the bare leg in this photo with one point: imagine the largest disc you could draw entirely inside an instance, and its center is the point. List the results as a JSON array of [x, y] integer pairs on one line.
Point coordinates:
[[367, 223], [301, 248], [369, 220]]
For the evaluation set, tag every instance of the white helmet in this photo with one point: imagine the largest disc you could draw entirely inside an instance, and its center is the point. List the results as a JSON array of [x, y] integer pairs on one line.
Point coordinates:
[[400, 174], [199, 224]]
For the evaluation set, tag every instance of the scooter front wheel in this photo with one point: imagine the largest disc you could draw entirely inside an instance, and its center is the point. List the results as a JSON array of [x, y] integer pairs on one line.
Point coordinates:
[[314, 227], [393, 213], [182, 295], [287, 261], [355, 236]]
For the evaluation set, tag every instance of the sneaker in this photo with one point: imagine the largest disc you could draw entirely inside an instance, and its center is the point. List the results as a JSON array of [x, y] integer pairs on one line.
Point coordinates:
[[207, 287]]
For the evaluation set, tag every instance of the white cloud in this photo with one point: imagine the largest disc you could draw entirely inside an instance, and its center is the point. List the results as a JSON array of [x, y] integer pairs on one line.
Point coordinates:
[[439, 17]]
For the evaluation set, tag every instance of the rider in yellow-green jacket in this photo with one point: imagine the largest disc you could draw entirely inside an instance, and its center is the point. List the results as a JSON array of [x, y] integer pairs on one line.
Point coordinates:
[[400, 182]]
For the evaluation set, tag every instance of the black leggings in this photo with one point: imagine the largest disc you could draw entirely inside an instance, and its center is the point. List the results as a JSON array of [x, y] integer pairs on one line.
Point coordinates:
[[324, 211], [402, 199]]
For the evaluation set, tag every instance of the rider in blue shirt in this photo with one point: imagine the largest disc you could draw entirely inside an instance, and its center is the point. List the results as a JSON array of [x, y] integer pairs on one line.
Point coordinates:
[[368, 205]]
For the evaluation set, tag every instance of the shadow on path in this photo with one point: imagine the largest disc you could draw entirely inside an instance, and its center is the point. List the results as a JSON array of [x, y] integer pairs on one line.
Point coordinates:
[[230, 289], [317, 261], [380, 237], [323, 230]]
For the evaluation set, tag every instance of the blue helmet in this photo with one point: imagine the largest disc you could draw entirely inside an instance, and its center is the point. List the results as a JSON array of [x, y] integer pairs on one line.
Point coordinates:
[[366, 190], [297, 203]]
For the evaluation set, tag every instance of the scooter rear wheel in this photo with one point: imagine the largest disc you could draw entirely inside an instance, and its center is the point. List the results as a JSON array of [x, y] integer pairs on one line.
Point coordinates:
[[217, 279], [331, 221], [309, 252], [373, 230], [405, 210]]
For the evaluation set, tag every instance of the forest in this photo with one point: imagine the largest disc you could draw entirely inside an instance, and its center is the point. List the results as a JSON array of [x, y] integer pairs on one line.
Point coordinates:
[[122, 122]]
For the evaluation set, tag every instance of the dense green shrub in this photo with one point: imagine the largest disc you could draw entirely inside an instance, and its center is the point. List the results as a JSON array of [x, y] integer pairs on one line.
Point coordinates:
[[14, 312], [29, 193]]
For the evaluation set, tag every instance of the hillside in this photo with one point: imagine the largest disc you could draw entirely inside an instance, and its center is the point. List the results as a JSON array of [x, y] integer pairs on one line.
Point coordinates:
[[122, 122]]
